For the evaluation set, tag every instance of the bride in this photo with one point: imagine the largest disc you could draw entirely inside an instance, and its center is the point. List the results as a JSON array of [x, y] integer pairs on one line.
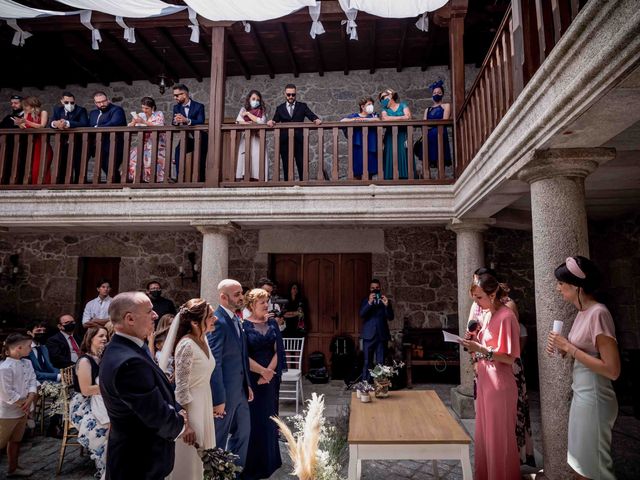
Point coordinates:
[[194, 365]]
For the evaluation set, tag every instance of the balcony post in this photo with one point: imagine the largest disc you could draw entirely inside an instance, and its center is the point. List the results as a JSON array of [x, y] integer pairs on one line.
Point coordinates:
[[216, 106], [456, 53]]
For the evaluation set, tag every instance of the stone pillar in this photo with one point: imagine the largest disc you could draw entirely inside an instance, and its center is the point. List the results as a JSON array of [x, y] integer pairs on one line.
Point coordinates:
[[215, 257], [559, 223], [470, 257]]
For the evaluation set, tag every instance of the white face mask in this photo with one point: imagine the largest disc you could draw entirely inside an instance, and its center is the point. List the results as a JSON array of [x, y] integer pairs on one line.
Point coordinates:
[[69, 107], [369, 109], [254, 103]]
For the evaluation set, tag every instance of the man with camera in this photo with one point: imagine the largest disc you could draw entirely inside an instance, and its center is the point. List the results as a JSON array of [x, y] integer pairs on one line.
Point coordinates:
[[376, 311]]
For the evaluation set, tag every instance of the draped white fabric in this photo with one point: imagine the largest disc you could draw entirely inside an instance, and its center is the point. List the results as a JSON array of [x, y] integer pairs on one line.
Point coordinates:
[[351, 14], [316, 26], [126, 8], [423, 23], [85, 19], [129, 32], [10, 9], [252, 10], [396, 8]]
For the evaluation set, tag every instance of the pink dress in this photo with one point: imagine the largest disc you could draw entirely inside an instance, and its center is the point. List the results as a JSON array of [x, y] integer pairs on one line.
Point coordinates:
[[496, 449]]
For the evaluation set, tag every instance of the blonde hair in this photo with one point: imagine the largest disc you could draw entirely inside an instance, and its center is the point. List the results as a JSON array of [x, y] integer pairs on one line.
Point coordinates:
[[33, 102], [253, 296]]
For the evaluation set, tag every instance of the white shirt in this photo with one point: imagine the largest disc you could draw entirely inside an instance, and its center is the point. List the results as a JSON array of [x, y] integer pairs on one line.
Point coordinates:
[[290, 108], [135, 340], [17, 380], [96, 308]]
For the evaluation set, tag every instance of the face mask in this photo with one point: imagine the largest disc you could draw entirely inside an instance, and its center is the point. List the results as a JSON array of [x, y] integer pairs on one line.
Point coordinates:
[[69, 107], [384, 102], [39, 337], [437, 98], [155, 294], [369, 109], [255, 103], [69, 327]]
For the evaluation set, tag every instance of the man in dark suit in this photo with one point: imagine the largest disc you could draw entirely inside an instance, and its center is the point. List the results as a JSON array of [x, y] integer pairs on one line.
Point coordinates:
[[16, 112], [39, 354], [292, 111], [376, 311], [188, 112], [145, 418], [64, 346], [65, 116], [16, 115], [230, 379], [107, 114]]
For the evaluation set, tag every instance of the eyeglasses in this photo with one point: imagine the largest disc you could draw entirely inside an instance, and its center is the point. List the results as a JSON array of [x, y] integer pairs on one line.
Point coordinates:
[[69, 103], [292, 95], [176, 95]]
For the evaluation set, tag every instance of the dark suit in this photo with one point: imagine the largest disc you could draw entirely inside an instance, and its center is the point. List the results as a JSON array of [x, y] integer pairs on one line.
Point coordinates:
[[42, 365], [196, 117], [77, 118], [375, 331], [59, 350], [7, 122], [230, 385], [113, 116], [300, 112], [143, 413]]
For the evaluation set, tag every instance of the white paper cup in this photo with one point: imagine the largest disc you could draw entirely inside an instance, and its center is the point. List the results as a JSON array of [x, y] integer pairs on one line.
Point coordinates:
[[557, 326]]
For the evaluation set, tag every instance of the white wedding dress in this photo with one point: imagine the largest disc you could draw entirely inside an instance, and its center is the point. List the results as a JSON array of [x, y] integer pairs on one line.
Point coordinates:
[[193, 369]]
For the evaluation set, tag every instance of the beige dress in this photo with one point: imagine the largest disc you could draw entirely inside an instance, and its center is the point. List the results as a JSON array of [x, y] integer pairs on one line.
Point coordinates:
[[193, 369]]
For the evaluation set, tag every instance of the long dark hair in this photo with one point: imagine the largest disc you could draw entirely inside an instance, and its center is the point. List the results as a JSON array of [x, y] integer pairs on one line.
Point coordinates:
[[489, 285], [195, 310], [589, 284], [247, 102]]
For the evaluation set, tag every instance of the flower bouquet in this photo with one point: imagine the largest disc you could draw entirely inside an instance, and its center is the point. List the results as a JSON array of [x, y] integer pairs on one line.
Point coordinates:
[[363, 391], [219, 464], [381, 375], [55, 391]]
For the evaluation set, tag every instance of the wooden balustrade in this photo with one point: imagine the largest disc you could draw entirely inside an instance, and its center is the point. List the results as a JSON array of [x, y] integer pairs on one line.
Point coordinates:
[[77, 158], [327, 153], [528, 32]]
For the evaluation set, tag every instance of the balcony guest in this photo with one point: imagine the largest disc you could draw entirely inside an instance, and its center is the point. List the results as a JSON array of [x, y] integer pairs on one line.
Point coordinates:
[[39, 354], [36, 117], [107, 114], [292, 111], [64, 346], [65, 116], [393, 110], [365, 113], [254, 111], [17, 113], [148, 117], [12, 121], [161, 305], [97, 310], [497, 346], [376, 312], [437, 111], [593, 347], [188, 112]]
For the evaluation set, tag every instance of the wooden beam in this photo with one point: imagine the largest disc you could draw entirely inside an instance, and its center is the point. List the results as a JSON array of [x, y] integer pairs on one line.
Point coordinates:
[[316, 48], [204, 43], [181, 53], [345, 49], [401, 48], [216, 107], [162, 64], [135, 61], [236, 53], [287, 42], [374, 46], [263, 52], [103, 75], [424, 64]]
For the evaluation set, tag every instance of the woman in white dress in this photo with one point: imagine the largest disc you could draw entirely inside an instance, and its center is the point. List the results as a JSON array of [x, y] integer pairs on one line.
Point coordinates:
[[253, 112], [194, 365]]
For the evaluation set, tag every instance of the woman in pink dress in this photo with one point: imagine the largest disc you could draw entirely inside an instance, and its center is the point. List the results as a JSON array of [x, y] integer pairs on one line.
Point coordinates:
[[496, 348]]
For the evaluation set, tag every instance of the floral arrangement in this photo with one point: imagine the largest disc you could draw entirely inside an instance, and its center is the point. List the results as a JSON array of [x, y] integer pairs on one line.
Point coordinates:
[[219, 464], [364, 387], [314, 445], [385, 372], [55, 391]]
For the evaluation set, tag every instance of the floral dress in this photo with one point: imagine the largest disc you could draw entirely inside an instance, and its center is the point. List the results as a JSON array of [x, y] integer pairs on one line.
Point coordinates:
[[92, 434], [157, 119]]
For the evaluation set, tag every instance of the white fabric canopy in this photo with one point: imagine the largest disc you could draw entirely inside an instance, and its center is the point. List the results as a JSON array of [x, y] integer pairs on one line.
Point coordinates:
[[351, 13], [10, 9], [396, 8], [252, 10], [126, 8], [316, 25]]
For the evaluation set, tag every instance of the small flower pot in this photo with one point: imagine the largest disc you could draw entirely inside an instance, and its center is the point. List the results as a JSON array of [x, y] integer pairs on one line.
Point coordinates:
[[365, 397], [358, 394]]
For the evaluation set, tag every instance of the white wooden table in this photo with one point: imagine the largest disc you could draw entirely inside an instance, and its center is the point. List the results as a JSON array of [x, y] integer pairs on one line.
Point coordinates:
[[408, 425]]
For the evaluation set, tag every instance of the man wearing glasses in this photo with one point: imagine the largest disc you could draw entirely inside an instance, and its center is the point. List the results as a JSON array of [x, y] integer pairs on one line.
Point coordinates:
[[107, 114], [65, 116], [292, 111], [188, 112]]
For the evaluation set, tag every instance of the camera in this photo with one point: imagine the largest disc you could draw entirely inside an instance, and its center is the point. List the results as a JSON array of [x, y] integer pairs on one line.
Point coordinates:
[[281, 303], [377, 296]]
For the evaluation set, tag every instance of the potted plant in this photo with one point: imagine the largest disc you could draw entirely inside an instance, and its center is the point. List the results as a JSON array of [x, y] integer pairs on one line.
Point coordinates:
[[381, 375], [363, 391]]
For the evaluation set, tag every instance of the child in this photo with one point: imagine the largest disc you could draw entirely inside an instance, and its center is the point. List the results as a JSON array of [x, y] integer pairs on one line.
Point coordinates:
[[18, 387]]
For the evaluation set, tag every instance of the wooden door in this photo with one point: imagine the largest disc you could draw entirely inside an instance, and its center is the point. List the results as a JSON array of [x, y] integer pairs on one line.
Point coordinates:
[[92, 270]]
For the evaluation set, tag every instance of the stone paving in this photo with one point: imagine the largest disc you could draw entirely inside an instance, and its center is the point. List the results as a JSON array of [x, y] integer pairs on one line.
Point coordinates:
[[41, 453]]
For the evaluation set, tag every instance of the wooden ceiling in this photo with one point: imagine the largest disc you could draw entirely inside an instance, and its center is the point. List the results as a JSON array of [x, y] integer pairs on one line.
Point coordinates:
[[60, 51]]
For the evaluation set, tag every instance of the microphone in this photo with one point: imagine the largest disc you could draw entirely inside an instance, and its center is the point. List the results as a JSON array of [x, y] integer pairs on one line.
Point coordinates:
[[472, 326]]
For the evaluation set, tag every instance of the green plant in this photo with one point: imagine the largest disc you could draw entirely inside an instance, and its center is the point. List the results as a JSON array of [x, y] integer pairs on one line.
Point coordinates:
[[219, 464], [385, 372]]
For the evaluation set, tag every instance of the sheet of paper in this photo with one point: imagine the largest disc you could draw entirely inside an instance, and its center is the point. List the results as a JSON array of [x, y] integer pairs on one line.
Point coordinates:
[[450, 337]]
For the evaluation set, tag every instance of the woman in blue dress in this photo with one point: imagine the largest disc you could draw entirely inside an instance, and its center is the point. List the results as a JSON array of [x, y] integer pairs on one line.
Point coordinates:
[[366, 114], [437, 111], [392, 110], [264, 346]]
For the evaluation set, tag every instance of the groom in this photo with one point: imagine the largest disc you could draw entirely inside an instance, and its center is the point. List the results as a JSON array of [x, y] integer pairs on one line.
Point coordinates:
[[145, 418], [230, 379]]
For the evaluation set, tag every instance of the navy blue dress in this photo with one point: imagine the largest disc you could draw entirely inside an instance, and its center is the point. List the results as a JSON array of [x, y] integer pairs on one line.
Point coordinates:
[[372, 147], [263, 457], [437, 113]]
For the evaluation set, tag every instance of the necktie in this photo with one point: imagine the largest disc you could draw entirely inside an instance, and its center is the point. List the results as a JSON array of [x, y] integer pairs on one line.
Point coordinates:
[[40, 356], [74, 345], [98, 119], [145, 347], [290, 107], [236, 321]]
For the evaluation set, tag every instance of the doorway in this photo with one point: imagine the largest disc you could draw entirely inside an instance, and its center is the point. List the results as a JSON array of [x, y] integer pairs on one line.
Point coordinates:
[[91, 271], [333, 285]]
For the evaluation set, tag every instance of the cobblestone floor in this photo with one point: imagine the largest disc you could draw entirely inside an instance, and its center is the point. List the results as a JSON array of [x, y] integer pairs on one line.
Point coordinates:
[[41, 453]]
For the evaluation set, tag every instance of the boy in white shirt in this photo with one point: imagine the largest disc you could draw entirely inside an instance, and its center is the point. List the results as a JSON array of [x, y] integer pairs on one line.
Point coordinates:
[[18, 390]]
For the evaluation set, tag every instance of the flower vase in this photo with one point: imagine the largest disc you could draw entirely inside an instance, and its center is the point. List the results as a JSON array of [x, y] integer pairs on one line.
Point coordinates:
[[358, 394], [365, 397], [382, 388]]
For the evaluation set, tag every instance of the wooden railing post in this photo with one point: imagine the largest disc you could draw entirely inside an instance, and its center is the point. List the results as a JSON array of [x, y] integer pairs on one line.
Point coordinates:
[[216, 106], [456, 50], [517, 46]]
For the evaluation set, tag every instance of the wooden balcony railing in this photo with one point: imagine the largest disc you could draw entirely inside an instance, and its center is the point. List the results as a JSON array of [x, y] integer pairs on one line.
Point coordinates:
[[76, 158], [328, 153], [529, 31]]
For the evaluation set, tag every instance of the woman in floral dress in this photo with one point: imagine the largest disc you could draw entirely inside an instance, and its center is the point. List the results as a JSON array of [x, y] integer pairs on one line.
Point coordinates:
[[149, 117]]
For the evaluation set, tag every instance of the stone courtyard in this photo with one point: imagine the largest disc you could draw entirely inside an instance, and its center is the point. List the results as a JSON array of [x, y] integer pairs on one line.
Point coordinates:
[[42, 453]]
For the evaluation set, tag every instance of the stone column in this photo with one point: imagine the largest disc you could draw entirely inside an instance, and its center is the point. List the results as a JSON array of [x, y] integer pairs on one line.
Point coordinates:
[[215, 257], [559, 223], [470, 257]]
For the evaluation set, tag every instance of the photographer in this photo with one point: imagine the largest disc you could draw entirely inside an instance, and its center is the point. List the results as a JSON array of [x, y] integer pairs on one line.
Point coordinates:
[[375, 311], [276, 306]]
